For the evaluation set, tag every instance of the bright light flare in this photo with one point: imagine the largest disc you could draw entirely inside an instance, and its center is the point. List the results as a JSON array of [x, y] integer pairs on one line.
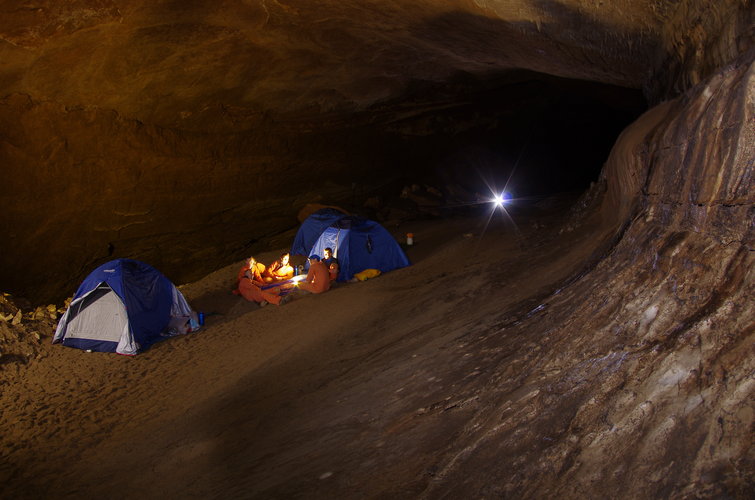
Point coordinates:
[[501, 199]]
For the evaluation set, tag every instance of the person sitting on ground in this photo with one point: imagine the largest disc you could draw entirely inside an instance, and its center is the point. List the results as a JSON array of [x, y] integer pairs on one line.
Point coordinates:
[[318, 279], [252, 270], [280, 270], [252, 292], [328, 258], [333, 271], [249, 283]]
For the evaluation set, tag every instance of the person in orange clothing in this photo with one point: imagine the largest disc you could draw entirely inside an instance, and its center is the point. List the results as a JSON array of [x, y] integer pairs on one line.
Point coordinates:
[[252, 270], [333, 271], [249, 282], [318, 279], [280, 270], [252, 292]]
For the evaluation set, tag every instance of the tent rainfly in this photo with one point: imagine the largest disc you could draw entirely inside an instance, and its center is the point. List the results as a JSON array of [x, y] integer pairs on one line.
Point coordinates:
[[357, 243], [124, 306]]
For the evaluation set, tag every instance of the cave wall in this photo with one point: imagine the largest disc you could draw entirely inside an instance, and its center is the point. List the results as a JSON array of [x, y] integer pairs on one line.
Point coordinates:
[[203, 128], [88, 184], [661, 320], [661, 317], [687, 164], [697, 39], [182, 135], [678, 318], [699, 134]]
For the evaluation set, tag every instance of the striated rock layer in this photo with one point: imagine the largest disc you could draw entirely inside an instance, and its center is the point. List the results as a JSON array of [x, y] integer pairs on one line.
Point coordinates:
[[669, 310]]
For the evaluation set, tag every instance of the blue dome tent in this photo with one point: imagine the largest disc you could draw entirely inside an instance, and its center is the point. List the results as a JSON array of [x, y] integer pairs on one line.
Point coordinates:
[[357, 243], [123, 306], [312, 228]]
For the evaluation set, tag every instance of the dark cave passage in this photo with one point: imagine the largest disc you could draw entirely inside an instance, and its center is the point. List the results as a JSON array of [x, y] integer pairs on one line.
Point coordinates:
[[535, 138]]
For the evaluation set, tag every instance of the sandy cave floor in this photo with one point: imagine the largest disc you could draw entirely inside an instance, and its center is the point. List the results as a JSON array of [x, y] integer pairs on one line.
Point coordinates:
[[322, 396]]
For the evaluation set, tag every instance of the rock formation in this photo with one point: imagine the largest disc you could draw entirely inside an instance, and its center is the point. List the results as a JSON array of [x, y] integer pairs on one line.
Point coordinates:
[[184, 133], [148, 129]]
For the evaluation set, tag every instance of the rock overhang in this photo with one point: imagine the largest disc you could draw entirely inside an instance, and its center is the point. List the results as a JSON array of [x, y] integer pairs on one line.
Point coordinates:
[[200, 66]]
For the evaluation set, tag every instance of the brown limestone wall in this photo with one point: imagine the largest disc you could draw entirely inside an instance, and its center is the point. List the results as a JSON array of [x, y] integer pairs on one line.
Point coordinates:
[[697, 39], [175, 115], [676, 324], [88, 185], [689, 162], [679, 313], [701, 171], [195, 123], [644, 384], [635, 380]]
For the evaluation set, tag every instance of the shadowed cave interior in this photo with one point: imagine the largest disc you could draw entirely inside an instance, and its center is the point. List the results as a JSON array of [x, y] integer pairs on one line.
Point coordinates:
[[539, 136], [536, 137]]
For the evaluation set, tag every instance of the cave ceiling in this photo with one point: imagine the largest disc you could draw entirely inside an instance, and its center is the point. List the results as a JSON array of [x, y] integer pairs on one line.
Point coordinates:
[[223, 65]]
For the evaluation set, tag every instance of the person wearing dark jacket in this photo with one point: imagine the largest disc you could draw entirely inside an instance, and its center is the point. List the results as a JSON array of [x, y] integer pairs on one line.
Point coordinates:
[[328, 258]]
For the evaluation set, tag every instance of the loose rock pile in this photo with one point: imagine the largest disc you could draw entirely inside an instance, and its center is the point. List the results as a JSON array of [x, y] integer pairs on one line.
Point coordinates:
[[23, 330]]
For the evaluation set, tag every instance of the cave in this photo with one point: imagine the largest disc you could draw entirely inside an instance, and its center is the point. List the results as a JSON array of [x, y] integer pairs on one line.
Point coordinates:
[[536, 134], [593, 337]]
